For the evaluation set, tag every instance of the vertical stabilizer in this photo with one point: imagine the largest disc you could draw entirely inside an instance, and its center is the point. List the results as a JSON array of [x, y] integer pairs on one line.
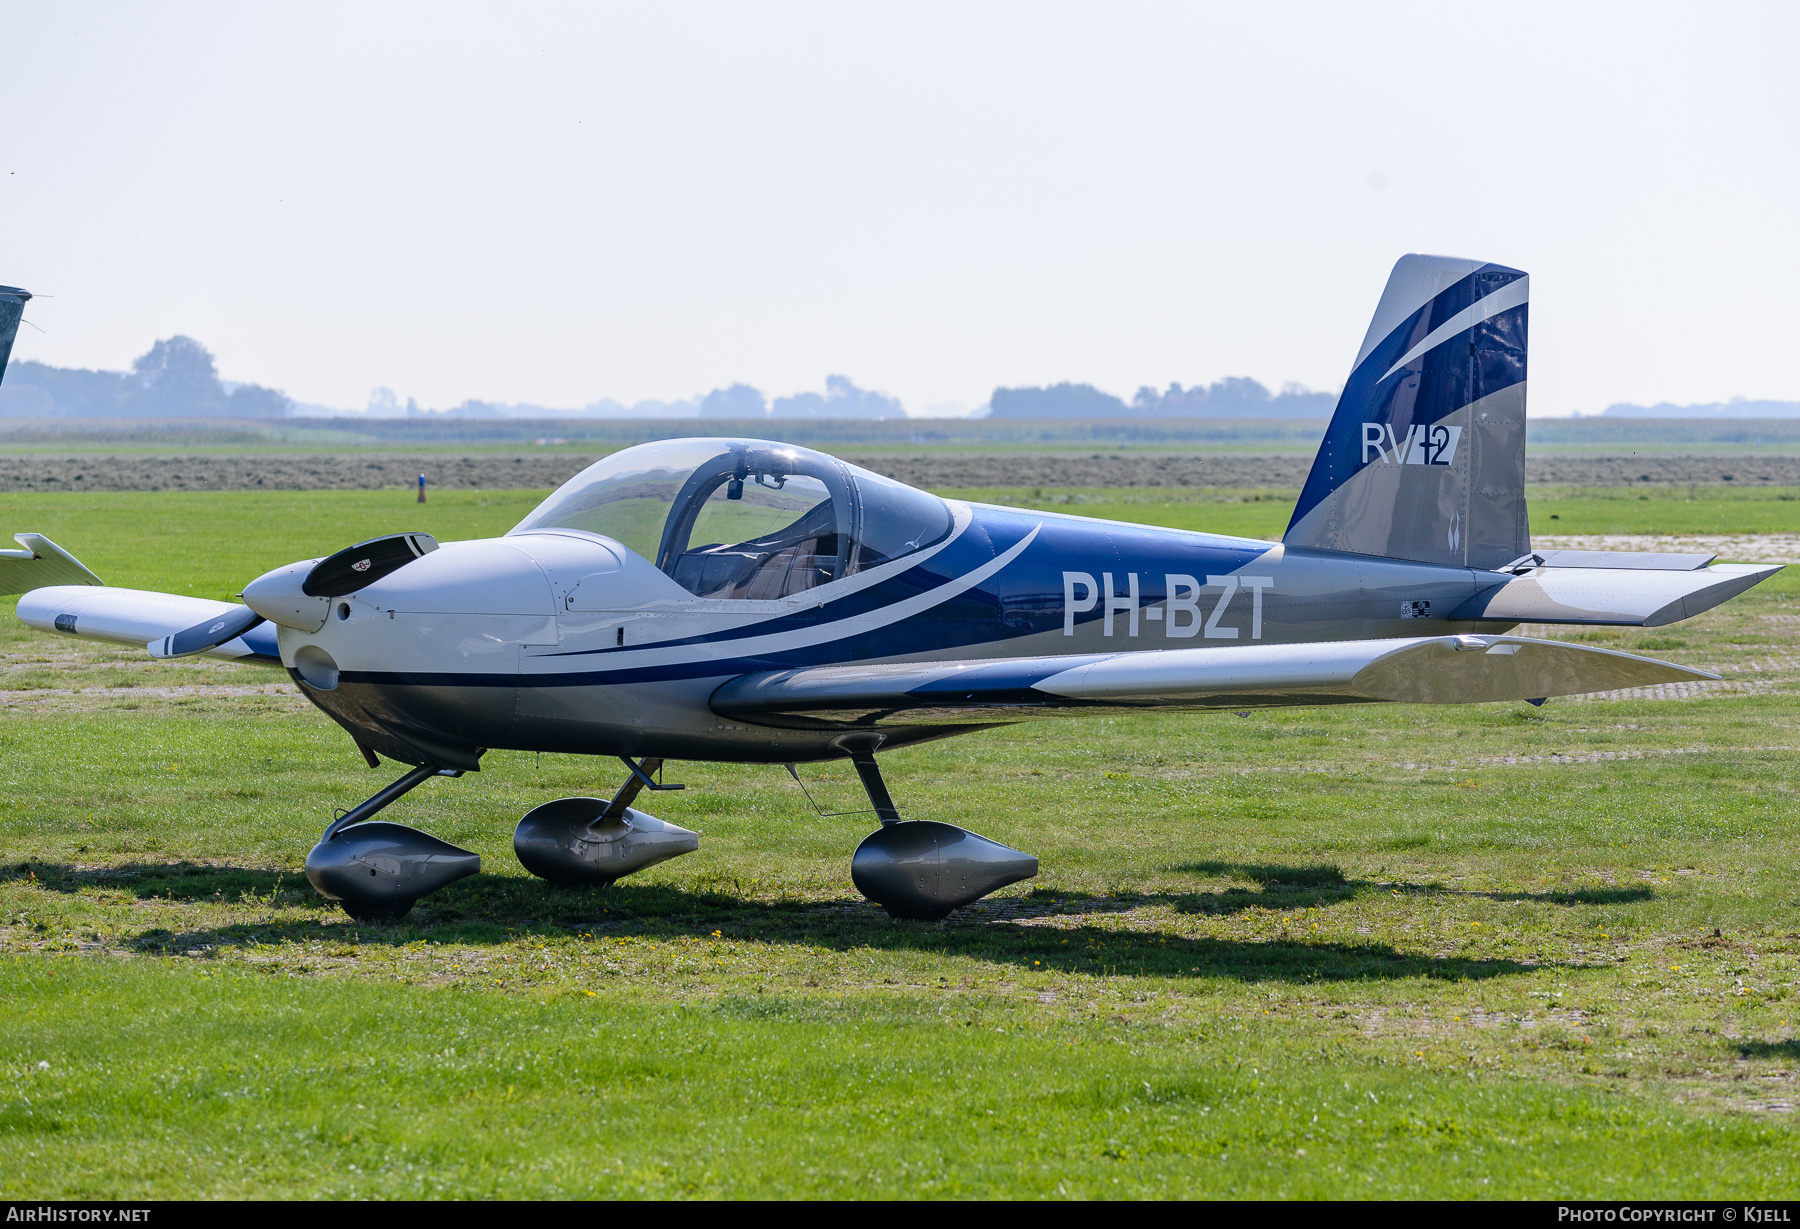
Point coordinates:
[[1425, 455], [12, 310]]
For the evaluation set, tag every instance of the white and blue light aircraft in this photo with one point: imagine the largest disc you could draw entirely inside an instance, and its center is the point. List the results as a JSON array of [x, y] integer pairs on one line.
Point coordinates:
[[749, 601]]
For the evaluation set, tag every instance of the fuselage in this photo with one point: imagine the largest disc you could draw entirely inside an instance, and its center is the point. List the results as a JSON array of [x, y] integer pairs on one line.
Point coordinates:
[[568, 641]]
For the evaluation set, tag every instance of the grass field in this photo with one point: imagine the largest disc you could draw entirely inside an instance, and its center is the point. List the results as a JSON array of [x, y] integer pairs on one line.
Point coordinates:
[[1479, 952]]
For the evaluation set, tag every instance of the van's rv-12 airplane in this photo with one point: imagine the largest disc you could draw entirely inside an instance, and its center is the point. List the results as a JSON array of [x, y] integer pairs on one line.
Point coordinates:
[[754, 602]]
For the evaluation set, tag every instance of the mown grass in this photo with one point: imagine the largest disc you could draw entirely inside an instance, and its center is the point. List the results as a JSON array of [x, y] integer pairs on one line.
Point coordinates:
[[1418, 952]]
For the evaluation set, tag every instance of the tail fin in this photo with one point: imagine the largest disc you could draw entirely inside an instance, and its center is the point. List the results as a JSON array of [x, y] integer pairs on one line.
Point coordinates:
[[1425, 455], [12, 310]]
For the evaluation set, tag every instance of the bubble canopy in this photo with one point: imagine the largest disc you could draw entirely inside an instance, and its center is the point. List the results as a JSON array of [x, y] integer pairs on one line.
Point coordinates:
[[751, 519]]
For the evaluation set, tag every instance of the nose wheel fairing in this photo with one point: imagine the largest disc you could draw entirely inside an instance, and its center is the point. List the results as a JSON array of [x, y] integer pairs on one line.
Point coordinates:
[[379, 869]]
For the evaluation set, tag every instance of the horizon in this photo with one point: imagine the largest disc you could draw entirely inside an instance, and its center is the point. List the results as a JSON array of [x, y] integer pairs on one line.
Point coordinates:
[[383, 404]]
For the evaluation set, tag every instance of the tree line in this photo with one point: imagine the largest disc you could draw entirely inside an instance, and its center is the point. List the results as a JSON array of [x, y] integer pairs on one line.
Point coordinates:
[[175, 378]]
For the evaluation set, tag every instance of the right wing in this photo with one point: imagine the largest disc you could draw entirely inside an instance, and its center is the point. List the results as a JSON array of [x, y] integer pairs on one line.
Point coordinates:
[[139, 617], [1419, 670]]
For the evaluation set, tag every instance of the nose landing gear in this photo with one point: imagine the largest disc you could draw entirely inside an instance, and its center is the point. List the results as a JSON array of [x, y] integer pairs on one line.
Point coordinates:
[[378, 870]]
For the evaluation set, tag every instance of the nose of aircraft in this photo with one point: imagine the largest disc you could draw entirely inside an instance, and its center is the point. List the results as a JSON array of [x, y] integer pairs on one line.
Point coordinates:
[[487, 576], [278, 596], [299, 595]]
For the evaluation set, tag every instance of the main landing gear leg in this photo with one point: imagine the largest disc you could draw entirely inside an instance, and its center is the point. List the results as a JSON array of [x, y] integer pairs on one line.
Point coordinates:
[[377, 870], [575, 841], [877, 789], [923, 869]]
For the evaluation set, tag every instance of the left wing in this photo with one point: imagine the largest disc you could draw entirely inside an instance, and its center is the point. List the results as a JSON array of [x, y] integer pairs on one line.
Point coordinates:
[[141, 617], [1420, 670]]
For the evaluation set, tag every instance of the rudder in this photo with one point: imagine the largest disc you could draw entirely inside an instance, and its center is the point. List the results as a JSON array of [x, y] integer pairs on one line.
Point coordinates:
[[1425, 455]]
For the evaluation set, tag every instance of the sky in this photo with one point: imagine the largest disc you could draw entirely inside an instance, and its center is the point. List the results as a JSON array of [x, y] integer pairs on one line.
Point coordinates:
[[552, 203]]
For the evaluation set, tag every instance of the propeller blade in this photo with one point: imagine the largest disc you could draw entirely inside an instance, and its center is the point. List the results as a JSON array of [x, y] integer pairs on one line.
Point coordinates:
[[365, 563], [208, 635]]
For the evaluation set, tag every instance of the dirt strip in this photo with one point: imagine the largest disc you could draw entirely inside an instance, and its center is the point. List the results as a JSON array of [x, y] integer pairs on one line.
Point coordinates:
[[941, 471]]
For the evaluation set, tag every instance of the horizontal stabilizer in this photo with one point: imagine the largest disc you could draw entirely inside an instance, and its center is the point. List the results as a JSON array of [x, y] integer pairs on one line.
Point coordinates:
[[1631, 560], [41, 562], [1615, 596], [140, 617], [1421, 670]]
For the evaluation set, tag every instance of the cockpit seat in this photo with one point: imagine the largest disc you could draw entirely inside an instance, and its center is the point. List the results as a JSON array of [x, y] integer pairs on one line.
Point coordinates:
[[786, 573], [759, 576], [716, 570]]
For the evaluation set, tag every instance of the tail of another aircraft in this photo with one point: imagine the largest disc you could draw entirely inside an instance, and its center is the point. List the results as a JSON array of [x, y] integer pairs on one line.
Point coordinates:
[[12, 310], [1425, 455]]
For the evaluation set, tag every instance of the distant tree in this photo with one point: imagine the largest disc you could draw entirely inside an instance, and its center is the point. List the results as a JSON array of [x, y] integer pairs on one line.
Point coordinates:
[[842, 399], [1232, 397], [1237, 397], [800, 405], [176, 379], [738, 401], [255, 401], [37, 390], [476, 409], [1299, 401], [1058, 401]]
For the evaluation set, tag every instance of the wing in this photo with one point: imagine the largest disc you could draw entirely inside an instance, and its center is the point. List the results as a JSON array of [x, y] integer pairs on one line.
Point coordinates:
[[41, 562], [1423, 670], [140, 617]]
